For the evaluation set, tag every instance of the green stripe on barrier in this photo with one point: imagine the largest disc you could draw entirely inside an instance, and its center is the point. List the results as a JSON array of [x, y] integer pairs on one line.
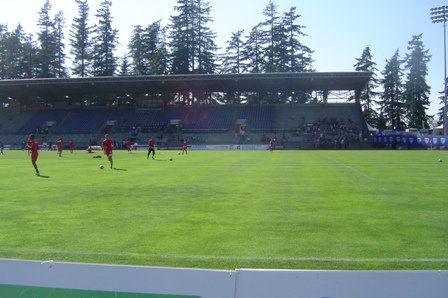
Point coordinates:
[[40, 292]]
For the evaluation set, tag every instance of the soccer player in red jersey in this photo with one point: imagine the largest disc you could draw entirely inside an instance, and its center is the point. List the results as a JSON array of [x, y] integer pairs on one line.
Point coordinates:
[[184, 147], [108, 146], [129, 145], [71, 144], [271, 145], [59, 143], [151, 148], [33, 148]]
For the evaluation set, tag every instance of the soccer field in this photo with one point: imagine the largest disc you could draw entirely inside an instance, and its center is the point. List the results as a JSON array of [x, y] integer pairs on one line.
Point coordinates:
[[345, 210]]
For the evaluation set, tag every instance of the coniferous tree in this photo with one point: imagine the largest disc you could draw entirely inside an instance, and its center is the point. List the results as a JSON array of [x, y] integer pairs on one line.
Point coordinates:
[[252, 57], [439, 119], [191, 41], [58, 65], [147, 49], [14, 55], [137, 52], [297, 56], [9, 51], [416, 90], [3, 50], [47, 43], [124, 66], [392, 98], [252, 53], [154, 47], [232, 61], [181, 38], [105, 42], [205, 47], [81, 45], [368, 96], [272, 37], [30, 62]]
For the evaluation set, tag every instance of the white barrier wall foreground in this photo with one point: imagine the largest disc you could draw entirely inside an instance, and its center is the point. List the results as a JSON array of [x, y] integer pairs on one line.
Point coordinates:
[[53, 279]]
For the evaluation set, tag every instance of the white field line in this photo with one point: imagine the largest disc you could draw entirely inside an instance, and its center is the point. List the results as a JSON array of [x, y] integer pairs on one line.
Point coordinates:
[[348, 167], [292, 259]]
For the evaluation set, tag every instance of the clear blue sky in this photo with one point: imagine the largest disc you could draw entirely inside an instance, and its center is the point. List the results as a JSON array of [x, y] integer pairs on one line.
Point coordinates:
[[338, 31]]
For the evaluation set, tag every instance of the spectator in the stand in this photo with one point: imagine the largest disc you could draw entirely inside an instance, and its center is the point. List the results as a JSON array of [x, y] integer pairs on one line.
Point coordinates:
[[134, 131]]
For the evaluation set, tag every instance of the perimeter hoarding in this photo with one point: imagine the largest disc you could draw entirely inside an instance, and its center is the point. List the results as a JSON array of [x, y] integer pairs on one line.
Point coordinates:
[[411, 141], [210, 147], [34, 279]]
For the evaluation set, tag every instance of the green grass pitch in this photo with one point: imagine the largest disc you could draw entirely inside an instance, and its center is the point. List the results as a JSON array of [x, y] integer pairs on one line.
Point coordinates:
[[333, 210]]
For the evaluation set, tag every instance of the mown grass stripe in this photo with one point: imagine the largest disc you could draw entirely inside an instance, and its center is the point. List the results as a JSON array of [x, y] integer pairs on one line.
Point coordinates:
[[199, 257]]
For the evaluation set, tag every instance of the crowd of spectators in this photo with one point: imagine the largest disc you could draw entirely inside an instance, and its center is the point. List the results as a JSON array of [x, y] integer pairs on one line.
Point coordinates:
[[331, 132]]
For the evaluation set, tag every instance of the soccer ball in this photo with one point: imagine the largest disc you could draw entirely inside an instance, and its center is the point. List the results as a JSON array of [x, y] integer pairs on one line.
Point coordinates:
[[440, 160], [171, 159], [178, 153], [101, 167]]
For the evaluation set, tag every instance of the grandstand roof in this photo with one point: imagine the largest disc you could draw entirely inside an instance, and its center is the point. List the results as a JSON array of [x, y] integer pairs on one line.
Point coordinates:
[[262, 82]]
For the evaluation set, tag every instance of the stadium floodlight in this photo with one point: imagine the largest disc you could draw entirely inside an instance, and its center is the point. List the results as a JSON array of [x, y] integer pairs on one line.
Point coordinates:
[[440, 15]]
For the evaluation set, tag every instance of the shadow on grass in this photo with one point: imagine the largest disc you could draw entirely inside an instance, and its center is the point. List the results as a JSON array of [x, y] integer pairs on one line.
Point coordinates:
[[118, 169], [43, 176], [160, 159]]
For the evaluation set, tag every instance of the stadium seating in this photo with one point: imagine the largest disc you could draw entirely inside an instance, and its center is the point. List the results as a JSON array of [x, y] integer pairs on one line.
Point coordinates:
[[127, 120], [261, 119], [214, 124], [208, 119], [83, 121], [38, 122]]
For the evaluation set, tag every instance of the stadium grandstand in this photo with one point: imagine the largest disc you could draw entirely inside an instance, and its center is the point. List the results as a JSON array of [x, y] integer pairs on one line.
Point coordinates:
[[138, 107]]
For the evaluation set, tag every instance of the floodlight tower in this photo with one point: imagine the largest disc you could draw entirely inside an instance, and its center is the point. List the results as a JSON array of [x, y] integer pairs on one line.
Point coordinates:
[[440, 15]]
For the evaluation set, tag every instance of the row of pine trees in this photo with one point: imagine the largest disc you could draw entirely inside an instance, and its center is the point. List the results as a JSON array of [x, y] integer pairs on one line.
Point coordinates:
[[186, 46]]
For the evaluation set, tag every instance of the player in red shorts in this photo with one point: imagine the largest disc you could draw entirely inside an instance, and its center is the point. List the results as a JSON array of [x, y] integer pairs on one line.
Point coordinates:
[[71, 144], [129, 145], [107, 147], [151, 147], [184, 147], [271, 145], [59, 143], [33, 148]]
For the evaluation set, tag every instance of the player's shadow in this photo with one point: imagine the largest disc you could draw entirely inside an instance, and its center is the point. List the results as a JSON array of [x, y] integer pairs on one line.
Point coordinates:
[[118, 169], [43, 176]]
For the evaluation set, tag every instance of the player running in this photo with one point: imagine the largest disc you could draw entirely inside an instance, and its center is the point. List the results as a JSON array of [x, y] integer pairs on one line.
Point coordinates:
[[107, 147], [151, 147]]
